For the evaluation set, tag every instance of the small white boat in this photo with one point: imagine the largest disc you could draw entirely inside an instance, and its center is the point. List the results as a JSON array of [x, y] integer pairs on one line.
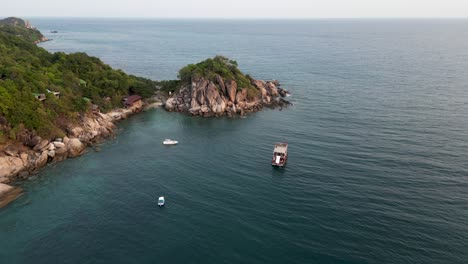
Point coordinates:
[[170, 142], [280, 155], [161, 201]]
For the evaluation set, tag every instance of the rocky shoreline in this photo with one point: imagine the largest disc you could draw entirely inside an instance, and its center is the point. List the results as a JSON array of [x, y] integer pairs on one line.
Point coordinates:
[[25, 157], [224, 98], [42, 39]]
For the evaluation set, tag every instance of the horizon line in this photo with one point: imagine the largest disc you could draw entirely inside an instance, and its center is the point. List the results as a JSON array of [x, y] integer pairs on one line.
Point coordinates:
[[242, 18]]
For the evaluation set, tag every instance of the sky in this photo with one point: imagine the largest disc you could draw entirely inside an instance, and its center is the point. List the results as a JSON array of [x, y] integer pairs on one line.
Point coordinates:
[[295, 9]]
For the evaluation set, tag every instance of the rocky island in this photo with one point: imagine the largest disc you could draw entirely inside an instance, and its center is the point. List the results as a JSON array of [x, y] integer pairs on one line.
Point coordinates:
[[216, 87]]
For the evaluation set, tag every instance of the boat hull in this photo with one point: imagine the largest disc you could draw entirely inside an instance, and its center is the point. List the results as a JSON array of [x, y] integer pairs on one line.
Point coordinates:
[[279, 165]]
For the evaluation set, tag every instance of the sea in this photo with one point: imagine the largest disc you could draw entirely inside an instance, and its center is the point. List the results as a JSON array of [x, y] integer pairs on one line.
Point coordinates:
[[378, 150]]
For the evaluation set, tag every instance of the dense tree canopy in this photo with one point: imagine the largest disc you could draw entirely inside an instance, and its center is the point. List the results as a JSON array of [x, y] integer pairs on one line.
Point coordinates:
[[221, 66], [26, 71]]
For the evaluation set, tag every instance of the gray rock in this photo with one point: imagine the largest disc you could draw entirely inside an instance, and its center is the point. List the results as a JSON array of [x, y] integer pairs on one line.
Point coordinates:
[[42, 160], [51, 146], [51, 153], [60, 151], [220, 82], [75, 147], [231, 89], [204, 109], [43, 144], [272, 90], [59, 144], [34, 141]]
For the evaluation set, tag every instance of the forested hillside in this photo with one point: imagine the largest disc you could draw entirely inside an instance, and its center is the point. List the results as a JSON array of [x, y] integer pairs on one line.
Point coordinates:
[[43, 92]]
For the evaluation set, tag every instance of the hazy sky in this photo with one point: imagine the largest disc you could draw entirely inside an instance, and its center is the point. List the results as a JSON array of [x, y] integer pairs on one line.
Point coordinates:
[[236, 8]]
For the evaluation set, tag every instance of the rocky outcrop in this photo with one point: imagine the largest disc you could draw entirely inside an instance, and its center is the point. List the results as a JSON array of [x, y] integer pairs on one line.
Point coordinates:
[[12, 166], [218, 98], [75, 147]]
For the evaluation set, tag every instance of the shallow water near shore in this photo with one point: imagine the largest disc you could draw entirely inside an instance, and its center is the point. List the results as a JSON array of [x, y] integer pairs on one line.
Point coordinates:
[[377, 133]]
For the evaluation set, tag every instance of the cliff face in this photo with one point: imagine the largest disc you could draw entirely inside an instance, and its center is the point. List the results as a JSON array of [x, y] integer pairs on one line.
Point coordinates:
[[207, 98]]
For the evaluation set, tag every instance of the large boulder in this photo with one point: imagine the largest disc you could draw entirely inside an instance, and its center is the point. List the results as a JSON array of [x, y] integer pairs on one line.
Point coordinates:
[[42, 160], [214, 100], [75, 132], [41, 145], [51, 146], [241, 96], [59, 144], [34, 141], [170, 104], [261, 86], [198, 92], [51, 153], [220, 82], [220, 106], [11, 166], [75, 147], [204, 109], [231, 88], [272, 90]]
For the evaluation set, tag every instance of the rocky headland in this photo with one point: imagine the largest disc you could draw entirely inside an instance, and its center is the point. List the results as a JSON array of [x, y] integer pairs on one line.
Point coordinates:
[[23, 158], [23, 29]]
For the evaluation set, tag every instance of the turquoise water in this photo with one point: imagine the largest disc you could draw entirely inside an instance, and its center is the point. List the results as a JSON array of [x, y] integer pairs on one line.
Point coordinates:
[[377, 170]]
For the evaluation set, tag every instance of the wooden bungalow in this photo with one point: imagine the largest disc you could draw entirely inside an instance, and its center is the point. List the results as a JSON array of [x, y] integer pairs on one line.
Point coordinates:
[[133, 101]]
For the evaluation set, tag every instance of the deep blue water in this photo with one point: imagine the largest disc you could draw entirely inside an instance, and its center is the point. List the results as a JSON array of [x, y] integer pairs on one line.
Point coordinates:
[[378, 151]]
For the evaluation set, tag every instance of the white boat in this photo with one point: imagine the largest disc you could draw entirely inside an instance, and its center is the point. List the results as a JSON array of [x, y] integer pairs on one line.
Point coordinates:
[[161, 201], [280, 155], [170, 142]]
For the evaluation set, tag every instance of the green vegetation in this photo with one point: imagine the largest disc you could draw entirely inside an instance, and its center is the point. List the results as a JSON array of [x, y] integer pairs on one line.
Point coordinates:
[[218, 65], [27, 70], [169, 86], [17, 27]]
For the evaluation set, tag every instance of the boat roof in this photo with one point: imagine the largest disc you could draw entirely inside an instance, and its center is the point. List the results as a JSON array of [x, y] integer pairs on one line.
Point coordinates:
[[281, 147]]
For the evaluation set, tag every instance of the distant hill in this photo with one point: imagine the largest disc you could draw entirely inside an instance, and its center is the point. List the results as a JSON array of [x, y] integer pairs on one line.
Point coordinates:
[[21, 28]]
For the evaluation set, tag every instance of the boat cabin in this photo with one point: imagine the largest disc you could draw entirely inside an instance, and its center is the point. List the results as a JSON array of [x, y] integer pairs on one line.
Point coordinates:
[[280, 155]]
